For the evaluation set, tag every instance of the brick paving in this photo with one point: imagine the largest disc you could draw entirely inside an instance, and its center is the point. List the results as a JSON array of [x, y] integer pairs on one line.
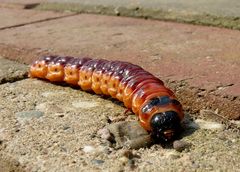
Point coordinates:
[[206, 58]]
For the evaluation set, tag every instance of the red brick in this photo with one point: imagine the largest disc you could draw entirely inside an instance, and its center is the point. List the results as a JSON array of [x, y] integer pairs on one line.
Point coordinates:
[[12, 17], [204, 57]]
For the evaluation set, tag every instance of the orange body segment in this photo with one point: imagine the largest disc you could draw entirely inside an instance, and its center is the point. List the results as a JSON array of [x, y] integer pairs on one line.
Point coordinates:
[[71, 75], [96, 82], [120, 90], [39, 70], [104, 83], [129, 91], [55, 73], [85, 80], [140, 96], [113, 86]]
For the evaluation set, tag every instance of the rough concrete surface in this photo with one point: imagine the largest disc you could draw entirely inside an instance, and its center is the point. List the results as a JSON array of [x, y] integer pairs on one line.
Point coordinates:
[[223, 13], [219, 8], [54, 128]]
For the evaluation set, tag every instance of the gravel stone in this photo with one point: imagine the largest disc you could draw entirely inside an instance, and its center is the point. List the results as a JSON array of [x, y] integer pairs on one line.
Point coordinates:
[[180, 145], [106, 135], [89, 149], [27, 115], [97, 161], [209, 125], [130, 134]]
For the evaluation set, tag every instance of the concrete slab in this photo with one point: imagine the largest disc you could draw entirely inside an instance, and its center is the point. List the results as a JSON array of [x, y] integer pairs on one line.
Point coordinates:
[[221, 8], [18, 17], [223, 13], [230, 8], [45, 127], [11, 71]]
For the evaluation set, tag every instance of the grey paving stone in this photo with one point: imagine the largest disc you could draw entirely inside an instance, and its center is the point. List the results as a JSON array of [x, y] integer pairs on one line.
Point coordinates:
[[66, 139]]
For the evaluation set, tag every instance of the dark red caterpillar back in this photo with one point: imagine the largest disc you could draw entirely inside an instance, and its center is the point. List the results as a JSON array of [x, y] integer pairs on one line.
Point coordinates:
[[156, 106]]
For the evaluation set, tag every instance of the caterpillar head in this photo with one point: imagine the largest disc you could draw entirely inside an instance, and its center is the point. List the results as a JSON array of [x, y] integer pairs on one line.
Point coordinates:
[[166, 115], [165, 126]]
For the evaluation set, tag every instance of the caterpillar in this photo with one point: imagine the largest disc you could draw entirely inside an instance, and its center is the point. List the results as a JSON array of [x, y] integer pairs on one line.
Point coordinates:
[[158, 110]]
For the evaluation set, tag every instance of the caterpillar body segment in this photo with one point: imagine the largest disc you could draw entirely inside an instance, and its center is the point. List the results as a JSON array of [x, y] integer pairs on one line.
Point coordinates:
[[155, 105], [71, 70]]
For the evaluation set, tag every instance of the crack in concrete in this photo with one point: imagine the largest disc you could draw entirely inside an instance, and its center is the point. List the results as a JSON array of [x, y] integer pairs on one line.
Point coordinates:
[[202, 92], [11, 71], [14, 79], [37, 21], [31, 6], [220, 87]]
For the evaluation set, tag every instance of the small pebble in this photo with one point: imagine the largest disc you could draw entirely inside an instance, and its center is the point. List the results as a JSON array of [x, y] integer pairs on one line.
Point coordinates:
[[88, 149], [97, 161], [180, 145], [61, 115], [27, 115], [124, 160], [131, 164], [52, 93], [66, 127], [103, 149], [84, 104], [106, 135], [128, 154], [130, 134], [209, 125], [173, 155]]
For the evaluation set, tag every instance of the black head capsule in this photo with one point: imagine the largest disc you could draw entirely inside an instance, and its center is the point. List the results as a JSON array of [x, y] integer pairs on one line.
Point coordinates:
[[165, 126]]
